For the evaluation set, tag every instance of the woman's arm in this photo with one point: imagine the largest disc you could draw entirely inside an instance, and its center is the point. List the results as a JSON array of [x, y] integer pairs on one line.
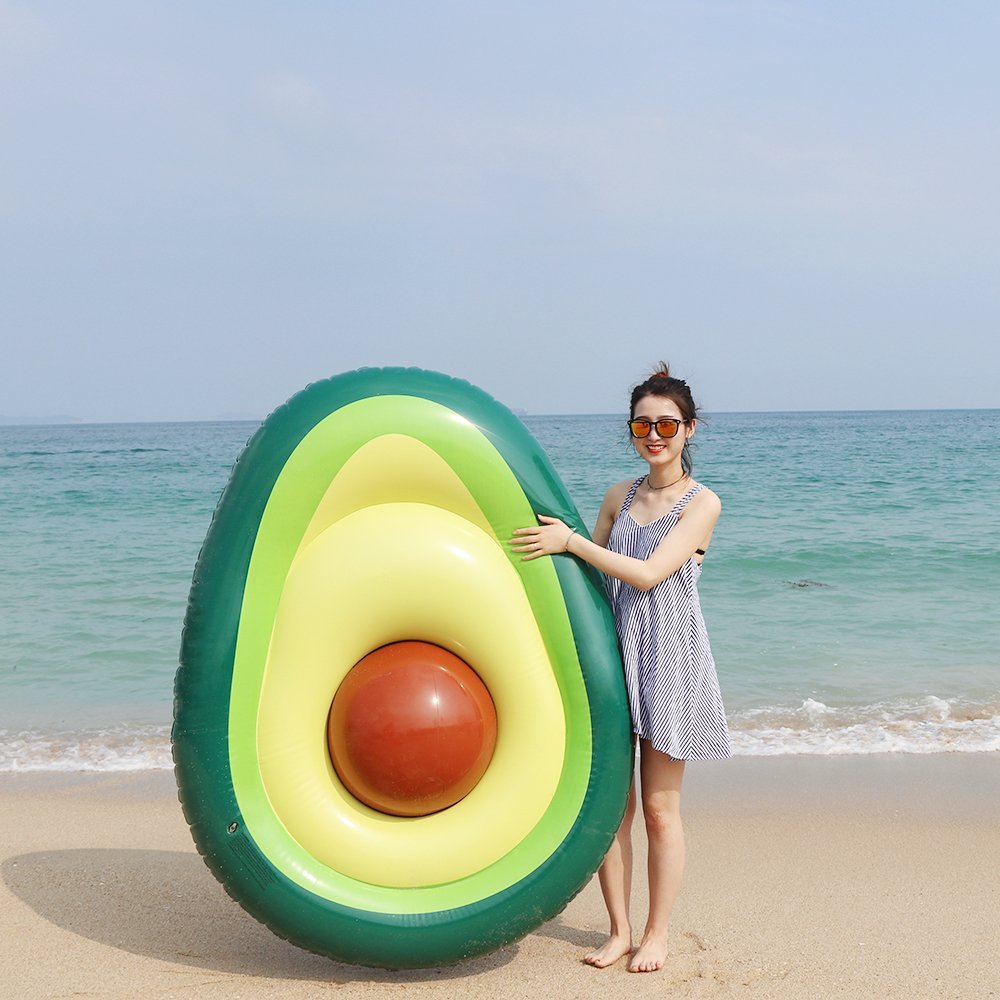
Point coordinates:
[[552, 536]]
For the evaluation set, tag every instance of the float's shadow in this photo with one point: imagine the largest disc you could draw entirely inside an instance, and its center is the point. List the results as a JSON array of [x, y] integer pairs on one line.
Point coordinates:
[[165, 905]]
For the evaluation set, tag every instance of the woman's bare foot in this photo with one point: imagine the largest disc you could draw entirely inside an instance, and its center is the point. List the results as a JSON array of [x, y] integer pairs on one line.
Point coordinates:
[[616, 946], [651, 954]]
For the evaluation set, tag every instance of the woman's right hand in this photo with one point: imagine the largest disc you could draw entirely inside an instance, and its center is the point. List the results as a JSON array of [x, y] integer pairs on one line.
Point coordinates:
[[545, 539]]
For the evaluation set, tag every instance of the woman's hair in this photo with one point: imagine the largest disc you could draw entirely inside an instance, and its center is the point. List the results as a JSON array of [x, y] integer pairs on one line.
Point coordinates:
[[661, 383]]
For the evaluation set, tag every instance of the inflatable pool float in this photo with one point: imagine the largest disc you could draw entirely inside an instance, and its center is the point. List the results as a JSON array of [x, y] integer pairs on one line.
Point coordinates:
[[396, 743]]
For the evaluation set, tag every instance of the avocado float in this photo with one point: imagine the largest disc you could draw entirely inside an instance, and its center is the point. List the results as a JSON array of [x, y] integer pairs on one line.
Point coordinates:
[[371, 512]]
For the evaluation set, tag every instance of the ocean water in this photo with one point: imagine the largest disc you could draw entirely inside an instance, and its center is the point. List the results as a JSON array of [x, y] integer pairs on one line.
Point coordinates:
[[851, 589]]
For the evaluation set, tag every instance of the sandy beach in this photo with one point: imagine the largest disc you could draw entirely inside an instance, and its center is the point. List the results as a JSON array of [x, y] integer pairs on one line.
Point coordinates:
[[807, 877]]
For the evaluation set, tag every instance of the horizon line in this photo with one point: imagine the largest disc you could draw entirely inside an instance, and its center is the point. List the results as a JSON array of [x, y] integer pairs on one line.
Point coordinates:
[[70, 421]]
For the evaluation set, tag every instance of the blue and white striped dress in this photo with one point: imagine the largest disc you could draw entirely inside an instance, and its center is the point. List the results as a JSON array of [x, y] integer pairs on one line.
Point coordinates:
[[673, 690]]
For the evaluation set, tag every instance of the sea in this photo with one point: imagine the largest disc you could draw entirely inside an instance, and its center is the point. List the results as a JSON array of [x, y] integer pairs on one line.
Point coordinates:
[[851, 589]]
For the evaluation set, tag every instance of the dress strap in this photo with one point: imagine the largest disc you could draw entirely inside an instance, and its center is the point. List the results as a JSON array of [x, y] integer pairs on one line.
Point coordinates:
[[683, 502], [631, 494]]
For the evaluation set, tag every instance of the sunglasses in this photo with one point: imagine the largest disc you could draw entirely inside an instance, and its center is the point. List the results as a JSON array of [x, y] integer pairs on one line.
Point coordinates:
[[666, 428]]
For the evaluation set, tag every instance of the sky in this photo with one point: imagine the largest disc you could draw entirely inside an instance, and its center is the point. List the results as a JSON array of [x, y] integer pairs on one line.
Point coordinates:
[[206, 206]]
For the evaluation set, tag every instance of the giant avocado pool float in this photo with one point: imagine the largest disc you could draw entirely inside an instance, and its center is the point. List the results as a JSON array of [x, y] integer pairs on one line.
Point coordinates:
[[357, 569]]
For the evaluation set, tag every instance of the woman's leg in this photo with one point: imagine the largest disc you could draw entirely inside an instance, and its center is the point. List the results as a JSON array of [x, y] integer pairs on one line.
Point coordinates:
[[661, 778], [616, 884]]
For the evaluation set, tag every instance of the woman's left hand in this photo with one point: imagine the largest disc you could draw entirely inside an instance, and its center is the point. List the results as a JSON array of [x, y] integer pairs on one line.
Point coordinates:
[[545, 539]]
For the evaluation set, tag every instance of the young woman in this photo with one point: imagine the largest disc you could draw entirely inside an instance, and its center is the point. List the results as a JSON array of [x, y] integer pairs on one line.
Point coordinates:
[[650, 539]]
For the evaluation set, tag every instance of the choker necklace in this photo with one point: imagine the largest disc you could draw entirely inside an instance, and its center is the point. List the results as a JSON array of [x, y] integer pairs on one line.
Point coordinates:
[[666, 486]]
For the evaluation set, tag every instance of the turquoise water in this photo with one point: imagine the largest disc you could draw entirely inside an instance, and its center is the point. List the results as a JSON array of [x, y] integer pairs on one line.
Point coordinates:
[[850, 590]]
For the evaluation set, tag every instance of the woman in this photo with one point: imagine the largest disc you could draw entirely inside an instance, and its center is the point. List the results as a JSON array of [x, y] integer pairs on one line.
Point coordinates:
[[650, 538]]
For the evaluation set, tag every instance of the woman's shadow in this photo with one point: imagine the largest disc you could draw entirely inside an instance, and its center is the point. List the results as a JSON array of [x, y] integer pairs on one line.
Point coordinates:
[[164, 904]]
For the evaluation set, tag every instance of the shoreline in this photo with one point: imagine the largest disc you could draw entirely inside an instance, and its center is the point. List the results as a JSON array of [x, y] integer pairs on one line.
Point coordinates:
[[806, 877], [940, 728]]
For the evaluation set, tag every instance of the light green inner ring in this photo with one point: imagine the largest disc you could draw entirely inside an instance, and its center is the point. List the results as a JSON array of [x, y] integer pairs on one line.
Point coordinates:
[[289, 510]]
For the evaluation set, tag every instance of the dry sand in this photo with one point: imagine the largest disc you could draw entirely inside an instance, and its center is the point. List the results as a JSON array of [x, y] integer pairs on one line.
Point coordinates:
[[807, 877]]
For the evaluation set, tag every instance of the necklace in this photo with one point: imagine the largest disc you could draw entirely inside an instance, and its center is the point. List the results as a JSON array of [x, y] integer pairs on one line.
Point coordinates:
[[666, 486]]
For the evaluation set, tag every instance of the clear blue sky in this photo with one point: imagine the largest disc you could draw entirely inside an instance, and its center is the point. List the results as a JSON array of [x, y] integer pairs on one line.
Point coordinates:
[[207, 206]]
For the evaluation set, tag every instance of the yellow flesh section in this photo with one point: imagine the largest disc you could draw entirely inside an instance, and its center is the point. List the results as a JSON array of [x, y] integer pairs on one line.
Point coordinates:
[[366, 575]]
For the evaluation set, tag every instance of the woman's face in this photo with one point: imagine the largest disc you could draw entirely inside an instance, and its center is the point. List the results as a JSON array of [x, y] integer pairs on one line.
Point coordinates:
[[657, 450]]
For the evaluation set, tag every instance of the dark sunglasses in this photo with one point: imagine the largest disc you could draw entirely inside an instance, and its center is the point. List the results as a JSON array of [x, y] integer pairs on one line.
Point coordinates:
[[666, 428]]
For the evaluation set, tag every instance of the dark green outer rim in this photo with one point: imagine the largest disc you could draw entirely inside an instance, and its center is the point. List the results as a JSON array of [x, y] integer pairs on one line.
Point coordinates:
[[202, 694]]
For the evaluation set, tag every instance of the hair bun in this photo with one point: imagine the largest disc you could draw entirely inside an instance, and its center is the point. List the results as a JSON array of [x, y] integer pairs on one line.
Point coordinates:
[[662, 370]]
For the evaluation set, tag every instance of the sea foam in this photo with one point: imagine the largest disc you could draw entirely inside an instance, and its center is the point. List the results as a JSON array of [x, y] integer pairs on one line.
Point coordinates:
[[924, 725], [117, 748]]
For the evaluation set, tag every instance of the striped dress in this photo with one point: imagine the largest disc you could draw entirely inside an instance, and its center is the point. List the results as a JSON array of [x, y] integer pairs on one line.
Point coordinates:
[[673, 689]]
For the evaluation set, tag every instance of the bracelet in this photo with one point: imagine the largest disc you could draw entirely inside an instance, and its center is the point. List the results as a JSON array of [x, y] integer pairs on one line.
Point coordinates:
[[572, 532]]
